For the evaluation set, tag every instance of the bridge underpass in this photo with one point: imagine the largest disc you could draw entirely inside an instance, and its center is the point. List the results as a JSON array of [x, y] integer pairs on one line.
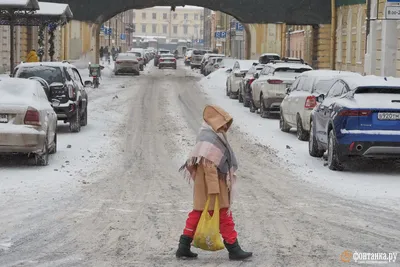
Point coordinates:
[[294, 12]]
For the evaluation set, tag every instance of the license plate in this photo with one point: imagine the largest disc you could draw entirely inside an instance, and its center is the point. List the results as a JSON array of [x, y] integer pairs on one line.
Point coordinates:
[[388, 116], [3, 118]]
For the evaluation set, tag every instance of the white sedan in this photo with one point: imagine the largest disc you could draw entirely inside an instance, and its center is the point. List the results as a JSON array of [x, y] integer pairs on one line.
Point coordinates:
[[28, 122]]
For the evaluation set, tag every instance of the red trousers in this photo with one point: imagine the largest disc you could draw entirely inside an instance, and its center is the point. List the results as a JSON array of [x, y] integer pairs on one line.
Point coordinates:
[[226, 225]]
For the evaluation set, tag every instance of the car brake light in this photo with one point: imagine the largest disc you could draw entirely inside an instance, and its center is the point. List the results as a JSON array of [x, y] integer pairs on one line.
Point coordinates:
[[251, 81], [139, 58], [311, 102], [354, 113], [275, 81], [32, 117], [71, 91], [118, 62], [161, 60]]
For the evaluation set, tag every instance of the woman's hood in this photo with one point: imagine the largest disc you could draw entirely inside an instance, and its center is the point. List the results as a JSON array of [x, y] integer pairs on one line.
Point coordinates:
[[216, 117]]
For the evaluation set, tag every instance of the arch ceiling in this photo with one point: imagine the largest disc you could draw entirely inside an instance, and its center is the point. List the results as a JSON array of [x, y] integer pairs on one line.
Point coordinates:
[[300, 12]]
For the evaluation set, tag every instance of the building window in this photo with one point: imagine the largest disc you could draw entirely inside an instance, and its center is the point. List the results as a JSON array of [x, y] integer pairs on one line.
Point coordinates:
[[349, 36], [143, 27], [164, 29], [175, 29], [175, 16], [165, 16], [143, 15], [196, 16], [185, 16], [154, 28], [185, 29], [154, 15]]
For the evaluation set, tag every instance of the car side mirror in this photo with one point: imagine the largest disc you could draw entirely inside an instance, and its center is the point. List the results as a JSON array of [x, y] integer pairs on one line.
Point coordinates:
[[88, 83], [256, 75], [229, 70], [288, 90], [55, 102], [320, 98]]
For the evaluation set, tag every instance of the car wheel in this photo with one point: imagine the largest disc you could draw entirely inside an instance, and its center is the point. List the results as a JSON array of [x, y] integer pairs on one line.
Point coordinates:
[[313, 149], [252, 106], [240, 97], [159, 67], [84, 118], [227, 89], [263, 112], [302, 134], [75, 123], [42, 158], [283, 125], [174, 67], [116, 73], [191, 67], [53, 150], [141, 68], [333, 157]]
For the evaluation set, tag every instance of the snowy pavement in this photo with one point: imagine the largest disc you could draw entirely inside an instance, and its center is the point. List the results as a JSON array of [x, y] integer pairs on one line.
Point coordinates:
[[112, 196]]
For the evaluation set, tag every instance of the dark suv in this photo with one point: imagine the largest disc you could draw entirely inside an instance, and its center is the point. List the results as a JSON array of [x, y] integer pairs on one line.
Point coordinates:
[[66, 90]]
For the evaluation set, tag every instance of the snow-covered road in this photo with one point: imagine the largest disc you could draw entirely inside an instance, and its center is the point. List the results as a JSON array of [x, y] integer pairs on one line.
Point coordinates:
[[112, 195]]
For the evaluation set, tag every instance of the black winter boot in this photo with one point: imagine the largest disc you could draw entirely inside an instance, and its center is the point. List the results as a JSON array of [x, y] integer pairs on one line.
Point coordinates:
[[184, 248], [236, 252]]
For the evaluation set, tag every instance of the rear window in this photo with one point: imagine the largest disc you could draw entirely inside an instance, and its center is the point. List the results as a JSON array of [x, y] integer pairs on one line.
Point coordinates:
[[137, 54], [267, 58], [164, 52], [289, 72], [49, 74], [126, 56], [167, 56], [199, 52], [378, 90]]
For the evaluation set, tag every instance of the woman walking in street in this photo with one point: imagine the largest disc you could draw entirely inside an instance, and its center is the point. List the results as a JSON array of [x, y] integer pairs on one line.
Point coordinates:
[[211, 165]]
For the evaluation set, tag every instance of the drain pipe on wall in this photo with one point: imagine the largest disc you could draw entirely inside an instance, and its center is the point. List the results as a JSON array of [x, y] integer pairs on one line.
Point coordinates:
[[333, 34]]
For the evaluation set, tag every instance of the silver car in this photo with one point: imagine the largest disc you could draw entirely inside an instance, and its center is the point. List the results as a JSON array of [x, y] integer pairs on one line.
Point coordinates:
[[167, 61], [28, 122], [126, 63], [139, 53]]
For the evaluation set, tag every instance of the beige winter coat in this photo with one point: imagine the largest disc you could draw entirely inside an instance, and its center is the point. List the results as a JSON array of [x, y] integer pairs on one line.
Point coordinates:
[[208, 180]]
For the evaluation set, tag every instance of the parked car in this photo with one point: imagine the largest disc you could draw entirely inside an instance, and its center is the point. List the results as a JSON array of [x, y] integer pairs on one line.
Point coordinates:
[[301, 96], [244, 86], [269, 90], [139, 54], [65, 85], [197, 57], [28, 122], [226, 63], [267, 57], [126, 63], [160, 52], [188, 57], [358, 117], [237, 73], [167, 61], [205, 60], [212, 65]]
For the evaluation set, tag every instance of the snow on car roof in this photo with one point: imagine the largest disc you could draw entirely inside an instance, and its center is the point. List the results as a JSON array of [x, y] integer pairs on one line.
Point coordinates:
[[370, 81], [269, 54], [289, 65], [329, 73], [246, 64], [50, 64]]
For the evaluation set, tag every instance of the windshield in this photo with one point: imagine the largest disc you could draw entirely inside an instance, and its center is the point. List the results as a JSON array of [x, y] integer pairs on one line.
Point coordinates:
[[199, 52], [49, 74], [164, 52]]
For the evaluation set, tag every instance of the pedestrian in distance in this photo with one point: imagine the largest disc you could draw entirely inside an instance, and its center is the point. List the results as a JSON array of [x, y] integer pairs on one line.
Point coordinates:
[[212, 165], [101, 52], [32, 56]]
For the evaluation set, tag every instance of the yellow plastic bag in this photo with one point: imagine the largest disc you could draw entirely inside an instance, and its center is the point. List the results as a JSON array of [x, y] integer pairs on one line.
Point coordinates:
[[207, 236]]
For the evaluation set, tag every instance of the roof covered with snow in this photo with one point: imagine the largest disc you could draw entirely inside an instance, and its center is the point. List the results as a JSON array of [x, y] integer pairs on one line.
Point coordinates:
[[370, 81], [20, 4], [50, 64], [270, 54], [329, 73], [289, 65], [54, 9]]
